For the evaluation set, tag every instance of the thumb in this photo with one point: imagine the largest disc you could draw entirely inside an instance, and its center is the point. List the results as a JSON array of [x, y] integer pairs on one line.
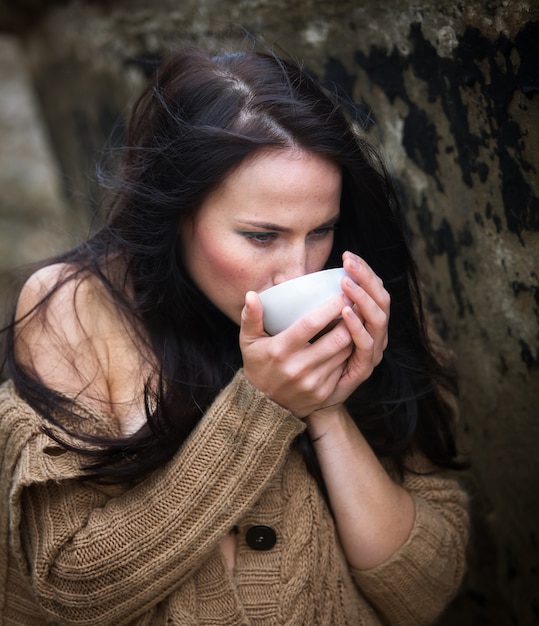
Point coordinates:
[[252, 323]]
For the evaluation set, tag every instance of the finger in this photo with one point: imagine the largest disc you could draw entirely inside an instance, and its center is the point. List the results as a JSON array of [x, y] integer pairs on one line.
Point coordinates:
[[252, 324], [368, 349], [317, 320], [335, 340], [372, 301], [374, 316], [363, 275]]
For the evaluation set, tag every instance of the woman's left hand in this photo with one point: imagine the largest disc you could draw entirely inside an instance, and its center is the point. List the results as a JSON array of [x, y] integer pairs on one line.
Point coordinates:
[[367, 320], [373, 514]]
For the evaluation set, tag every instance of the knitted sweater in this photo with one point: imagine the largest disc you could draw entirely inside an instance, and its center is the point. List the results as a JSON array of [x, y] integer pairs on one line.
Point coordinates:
[[72, 552]]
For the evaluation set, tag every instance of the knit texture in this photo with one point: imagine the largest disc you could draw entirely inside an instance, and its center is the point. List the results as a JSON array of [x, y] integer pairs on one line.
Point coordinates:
[[72, 552]]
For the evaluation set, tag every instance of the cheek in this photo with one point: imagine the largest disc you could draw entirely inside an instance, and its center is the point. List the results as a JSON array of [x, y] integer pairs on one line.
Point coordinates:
[[321, 255], [221, 257]]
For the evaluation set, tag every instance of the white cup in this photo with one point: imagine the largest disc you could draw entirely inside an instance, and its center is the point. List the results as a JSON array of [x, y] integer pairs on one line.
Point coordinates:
[[287, 302]]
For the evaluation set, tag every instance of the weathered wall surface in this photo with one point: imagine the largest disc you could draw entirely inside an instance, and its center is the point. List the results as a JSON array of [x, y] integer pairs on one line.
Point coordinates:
[[32, 217], [453, 90]]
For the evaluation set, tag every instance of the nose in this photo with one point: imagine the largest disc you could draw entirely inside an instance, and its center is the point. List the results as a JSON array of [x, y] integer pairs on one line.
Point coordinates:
[[291, 265]]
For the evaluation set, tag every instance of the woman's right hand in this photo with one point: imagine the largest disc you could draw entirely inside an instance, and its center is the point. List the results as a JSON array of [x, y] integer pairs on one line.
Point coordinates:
[[297, 374]]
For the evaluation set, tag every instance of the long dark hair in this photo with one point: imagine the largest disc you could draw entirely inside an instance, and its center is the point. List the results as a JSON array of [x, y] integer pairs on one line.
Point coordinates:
[[197, 119]]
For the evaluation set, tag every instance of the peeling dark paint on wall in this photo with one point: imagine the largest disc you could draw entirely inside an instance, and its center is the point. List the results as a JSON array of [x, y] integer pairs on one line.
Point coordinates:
[[338, 80], [440, 241], [477, 64]]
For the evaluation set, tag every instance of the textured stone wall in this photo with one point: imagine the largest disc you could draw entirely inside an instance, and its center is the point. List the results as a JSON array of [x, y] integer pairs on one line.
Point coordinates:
[[451, 91], [31, 207]]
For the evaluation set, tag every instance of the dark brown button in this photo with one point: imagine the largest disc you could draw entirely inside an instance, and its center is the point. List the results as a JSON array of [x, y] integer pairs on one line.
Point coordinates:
[[261, 538]]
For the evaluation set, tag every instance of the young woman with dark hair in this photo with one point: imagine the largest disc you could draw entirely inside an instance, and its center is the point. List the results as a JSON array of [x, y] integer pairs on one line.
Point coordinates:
[[165, 461]]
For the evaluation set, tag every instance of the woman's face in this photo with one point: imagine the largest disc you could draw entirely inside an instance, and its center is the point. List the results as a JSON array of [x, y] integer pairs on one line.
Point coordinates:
[[269, 221]]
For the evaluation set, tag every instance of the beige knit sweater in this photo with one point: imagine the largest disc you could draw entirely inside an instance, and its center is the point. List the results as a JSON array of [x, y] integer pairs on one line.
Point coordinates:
[[75, 553]]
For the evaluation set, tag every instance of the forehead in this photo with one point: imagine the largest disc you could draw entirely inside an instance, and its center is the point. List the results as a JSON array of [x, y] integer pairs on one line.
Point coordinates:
[[278, 179]]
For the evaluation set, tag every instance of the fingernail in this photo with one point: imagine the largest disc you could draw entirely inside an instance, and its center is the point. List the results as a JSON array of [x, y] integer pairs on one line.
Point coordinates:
[[353, 259]]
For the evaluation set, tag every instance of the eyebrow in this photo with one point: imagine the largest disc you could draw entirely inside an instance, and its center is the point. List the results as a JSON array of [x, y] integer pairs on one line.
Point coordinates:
[[283, 229]]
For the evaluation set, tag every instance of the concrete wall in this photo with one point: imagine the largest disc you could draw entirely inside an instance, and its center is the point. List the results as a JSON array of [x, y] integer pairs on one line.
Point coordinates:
[[453, 92], [32, 215]]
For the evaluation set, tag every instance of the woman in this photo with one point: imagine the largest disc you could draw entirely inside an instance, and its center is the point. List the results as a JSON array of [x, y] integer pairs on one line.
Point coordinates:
[[168, 462]]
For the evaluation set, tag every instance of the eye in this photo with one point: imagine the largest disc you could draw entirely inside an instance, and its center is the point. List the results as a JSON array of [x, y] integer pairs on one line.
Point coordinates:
[[260, 238], [321, 233]]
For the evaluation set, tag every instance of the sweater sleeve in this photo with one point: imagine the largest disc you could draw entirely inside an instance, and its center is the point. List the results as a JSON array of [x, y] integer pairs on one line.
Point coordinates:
[[414, 586], [88, 553]]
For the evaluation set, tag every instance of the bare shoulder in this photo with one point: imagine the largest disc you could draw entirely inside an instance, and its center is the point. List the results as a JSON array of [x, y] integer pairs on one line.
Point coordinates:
[[70, 302], [38, 285], [63, 320], [72, 336]]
